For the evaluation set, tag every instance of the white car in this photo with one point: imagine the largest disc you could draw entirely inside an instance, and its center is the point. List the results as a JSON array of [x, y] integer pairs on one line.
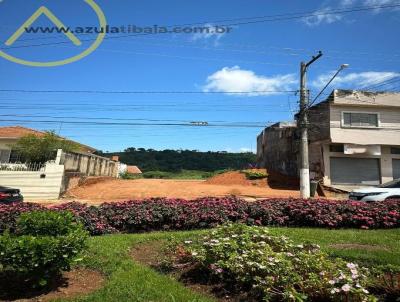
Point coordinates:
[[389, 190]]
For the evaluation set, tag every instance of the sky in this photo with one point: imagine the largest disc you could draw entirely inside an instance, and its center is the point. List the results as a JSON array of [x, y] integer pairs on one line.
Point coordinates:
[[125, 93]]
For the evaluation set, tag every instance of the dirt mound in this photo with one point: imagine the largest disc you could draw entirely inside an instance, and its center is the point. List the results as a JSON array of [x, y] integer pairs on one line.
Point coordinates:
[[235, 178], [92, 180]]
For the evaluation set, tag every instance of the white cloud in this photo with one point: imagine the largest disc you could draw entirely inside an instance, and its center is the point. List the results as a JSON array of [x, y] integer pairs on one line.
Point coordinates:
[[355, 80], [347, 2], [322, 16], [230, 79], [209, 32]]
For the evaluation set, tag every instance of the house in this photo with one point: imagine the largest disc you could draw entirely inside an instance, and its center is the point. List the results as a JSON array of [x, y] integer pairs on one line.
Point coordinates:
[[354, 139], [133, 170], [47, 181], [10, 135]]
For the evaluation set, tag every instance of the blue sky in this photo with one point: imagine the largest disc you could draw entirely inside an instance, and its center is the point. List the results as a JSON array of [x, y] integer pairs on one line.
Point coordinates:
[[259, 57]]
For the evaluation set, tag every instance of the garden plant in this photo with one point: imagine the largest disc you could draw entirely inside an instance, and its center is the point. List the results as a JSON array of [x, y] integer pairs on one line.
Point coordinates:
[[39, 247]]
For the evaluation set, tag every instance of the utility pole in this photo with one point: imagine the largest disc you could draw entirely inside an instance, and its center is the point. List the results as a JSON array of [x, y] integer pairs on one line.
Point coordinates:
[[303, 126]]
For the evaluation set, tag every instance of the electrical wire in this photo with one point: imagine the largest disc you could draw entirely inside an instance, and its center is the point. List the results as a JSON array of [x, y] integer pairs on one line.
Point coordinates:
[[269, 18], [146, 92]]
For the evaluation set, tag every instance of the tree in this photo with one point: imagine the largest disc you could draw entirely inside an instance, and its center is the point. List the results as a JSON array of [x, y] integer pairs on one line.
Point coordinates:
[[40, 149]]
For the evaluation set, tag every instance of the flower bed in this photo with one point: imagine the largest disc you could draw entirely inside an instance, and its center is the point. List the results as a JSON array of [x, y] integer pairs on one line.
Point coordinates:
[[178, 214], [264, 267]]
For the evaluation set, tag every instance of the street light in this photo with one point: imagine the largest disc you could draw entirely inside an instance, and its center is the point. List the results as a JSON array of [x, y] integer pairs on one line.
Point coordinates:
[[343, 66]]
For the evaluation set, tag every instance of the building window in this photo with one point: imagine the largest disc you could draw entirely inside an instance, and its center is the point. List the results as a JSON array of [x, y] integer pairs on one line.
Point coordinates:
[[15, 157], [4, 156], [336, 148], [395, 150], [358, 119]]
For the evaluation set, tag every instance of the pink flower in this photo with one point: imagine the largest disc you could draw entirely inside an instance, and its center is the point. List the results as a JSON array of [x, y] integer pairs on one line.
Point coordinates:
[[346, 288]]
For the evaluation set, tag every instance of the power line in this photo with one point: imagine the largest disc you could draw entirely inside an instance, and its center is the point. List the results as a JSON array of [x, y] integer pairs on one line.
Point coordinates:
[[135, 124], [146, 92], [387, 82], [121, 119], [269, 18]]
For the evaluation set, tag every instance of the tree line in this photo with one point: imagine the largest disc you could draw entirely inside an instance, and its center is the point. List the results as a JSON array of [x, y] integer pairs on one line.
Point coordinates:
[[176, 160]]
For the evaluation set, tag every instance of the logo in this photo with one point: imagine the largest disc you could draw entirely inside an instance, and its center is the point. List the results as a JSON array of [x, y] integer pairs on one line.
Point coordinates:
[[45, 11]]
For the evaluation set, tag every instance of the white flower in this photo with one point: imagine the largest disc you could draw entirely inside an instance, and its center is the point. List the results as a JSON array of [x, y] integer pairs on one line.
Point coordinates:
[[188, 242], [194, 253], [331, 282], [300, 246], [346, 288], [351, 265], [354, 271], [234, 236], [365, 291]]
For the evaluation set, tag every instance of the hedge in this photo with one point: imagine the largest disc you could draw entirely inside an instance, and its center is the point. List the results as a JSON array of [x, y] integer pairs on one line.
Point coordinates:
[[178, 214]]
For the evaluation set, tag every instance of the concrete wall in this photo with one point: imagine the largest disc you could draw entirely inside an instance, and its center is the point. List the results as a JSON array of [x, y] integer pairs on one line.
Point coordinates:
[[88, 164], [277, 149], [318, 118], [35, 185], [372, 99], [5, 143], [388, 132]]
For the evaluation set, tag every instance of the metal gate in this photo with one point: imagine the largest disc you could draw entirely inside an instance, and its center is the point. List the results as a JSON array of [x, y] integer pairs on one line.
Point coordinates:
[[345, 170]]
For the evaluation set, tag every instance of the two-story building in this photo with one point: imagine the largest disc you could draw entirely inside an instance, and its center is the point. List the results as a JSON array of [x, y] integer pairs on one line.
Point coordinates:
[[354, 139]]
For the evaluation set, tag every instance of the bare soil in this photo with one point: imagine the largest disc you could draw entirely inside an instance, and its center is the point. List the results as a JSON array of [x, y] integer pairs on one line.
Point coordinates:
[[72, 284], [222, 185], [235, 178]]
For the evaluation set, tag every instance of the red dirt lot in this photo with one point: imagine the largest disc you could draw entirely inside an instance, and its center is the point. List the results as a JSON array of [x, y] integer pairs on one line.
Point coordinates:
[[119, 190]]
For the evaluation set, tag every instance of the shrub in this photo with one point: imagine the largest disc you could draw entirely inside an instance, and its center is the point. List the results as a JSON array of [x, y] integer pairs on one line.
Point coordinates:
[[176, 214], [156, 174], [46, 223], [255, 174], [179, 214], [9, 214], [127, 175], [91, 217], [45, 244], [272, 268]]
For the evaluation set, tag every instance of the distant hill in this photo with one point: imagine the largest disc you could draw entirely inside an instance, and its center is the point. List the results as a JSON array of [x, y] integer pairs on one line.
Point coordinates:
[[176, 160]]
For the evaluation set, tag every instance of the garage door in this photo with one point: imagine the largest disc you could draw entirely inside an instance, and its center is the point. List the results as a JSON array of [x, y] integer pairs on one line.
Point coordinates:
[[355, 171], [396, 168]]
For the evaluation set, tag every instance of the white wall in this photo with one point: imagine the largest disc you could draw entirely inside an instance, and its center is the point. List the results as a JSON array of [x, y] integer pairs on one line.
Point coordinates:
[[32, 186], [386, 134]]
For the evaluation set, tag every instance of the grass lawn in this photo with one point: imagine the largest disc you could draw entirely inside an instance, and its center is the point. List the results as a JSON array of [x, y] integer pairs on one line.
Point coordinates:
[[182, 174], [130, 281]]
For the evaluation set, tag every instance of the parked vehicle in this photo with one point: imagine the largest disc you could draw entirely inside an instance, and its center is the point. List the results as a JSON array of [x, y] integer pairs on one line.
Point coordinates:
[[10, 195], [389, 190]]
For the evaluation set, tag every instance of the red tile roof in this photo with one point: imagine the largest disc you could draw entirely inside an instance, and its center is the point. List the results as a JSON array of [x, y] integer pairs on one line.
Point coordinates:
[[133, 170], [15, 132]]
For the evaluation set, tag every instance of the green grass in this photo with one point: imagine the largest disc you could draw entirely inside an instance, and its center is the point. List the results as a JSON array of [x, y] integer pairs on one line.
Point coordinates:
[[182, 174], [130, 281], [387, 240]]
